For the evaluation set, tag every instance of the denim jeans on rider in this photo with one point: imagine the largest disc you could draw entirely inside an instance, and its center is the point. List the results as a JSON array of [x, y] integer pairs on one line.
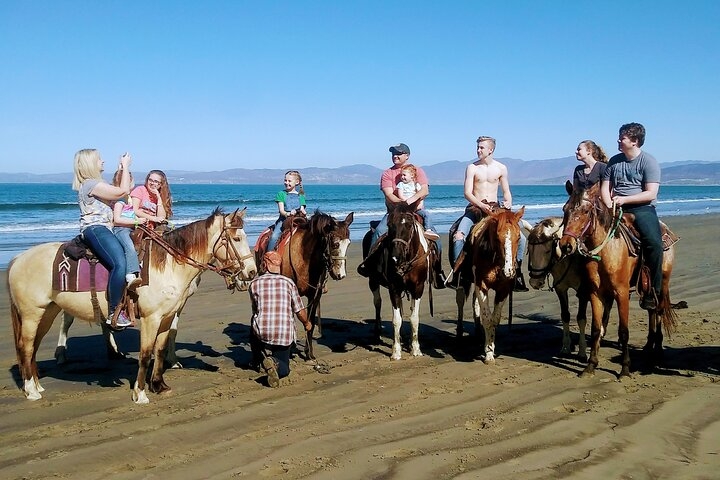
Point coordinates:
[[131, 257], [108, 249], [648, 226]]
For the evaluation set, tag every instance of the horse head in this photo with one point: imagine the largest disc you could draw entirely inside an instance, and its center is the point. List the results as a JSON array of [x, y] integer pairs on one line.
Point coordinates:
[[231, 252], [403, 241], [580, 213], [336, 240], [543, 251], [507, 237]]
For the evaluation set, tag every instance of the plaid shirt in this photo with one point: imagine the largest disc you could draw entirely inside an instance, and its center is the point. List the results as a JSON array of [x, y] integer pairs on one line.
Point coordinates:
[[275, 299]]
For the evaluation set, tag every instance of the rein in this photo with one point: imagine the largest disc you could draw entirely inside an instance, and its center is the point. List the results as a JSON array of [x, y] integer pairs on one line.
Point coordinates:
[[222, 240], [617, 218]]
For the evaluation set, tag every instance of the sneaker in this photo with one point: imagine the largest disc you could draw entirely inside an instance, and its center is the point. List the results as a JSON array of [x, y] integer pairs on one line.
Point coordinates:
[[133, 281], [430, 235], [122, 322], [268, 364]]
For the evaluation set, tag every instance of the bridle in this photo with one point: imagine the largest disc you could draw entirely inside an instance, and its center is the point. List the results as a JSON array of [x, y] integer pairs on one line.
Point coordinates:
[[586, 229], [230, 269], [403, 266]]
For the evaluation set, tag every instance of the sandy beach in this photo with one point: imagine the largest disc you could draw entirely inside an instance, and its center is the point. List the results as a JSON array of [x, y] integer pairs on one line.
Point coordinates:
[[362, 416]]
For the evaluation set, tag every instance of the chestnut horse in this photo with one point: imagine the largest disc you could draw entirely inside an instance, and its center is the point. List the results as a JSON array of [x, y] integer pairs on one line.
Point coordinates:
[[591, 228], [568, 272], [317, 248], [219, 239], [489, 263], [403, 268]]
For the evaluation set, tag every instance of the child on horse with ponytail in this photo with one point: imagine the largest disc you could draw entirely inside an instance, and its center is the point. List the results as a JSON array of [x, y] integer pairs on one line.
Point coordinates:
[[290, 201]]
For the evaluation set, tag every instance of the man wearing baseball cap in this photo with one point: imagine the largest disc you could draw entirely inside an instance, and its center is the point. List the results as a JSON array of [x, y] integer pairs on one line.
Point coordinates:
[[400, 154], [275, 302]]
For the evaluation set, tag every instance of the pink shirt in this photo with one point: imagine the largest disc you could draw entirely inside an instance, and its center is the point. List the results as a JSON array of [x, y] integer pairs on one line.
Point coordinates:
[[393, 175], [148, 202]]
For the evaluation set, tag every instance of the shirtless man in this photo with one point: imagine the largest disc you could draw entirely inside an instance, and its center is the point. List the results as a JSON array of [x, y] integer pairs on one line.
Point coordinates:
[[482, 179]]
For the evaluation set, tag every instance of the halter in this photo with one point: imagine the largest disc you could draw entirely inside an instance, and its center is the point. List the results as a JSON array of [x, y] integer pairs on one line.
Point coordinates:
[[592, 219], [405, 266]]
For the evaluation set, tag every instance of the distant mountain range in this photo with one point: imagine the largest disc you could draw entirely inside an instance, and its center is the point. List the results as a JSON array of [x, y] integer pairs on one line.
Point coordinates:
[[521, 172]]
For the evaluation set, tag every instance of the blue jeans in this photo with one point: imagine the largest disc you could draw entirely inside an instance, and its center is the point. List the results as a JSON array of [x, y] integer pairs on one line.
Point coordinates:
[[108, 249], [648, 226], [382, 229], [275, 237], [132, 263], [466, 223], [281, 354]]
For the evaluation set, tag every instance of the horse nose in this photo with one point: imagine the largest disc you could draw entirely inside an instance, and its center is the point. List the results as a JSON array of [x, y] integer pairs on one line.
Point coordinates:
[[567, 245]]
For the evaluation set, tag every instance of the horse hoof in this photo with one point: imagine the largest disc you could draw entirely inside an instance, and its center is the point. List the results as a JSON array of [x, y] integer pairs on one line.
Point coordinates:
[[395, 356], [177, 365], [489, 360], [60, 356], [139, 397], [33, 396], [588, 372]]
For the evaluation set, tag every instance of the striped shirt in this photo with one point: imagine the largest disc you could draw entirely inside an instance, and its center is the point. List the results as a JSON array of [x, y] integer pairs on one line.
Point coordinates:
[[275, 299]]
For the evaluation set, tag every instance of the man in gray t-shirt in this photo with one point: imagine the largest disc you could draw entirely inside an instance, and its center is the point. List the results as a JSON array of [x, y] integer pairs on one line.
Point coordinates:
[[632, 181]]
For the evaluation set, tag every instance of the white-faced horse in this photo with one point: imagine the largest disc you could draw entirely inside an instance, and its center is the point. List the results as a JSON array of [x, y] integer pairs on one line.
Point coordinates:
[[218, 243], [489, 264]]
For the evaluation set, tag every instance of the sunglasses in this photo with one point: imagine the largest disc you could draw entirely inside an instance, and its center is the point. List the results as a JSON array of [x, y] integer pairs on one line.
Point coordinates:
[[157, 182]]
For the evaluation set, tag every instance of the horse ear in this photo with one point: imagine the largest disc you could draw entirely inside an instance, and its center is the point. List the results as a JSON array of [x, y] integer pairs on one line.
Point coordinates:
[[520, 213], [568, 187], [525, 227], [349, 218]]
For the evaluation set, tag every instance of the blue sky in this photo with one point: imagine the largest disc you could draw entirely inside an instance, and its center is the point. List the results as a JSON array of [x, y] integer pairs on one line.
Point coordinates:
[[215, 85]]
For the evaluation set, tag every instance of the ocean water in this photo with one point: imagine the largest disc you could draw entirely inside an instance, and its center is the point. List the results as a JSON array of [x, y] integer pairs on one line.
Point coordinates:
[[37, 213]]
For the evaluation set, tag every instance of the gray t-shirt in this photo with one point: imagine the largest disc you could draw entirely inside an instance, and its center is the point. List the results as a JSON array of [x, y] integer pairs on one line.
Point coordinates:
[[93, 211], [627, 177]]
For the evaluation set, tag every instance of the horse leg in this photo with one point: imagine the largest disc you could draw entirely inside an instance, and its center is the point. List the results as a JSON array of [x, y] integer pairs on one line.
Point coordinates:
[[562, 296], [623, 303], [61, 349], [317, 331], [309, 354], [148, 334], [582, 326], [481, 315], [157, 382], [170, 354], [460, 295], [30, 328], [377, 302], [397, 323], [595, 335], [415, 325]]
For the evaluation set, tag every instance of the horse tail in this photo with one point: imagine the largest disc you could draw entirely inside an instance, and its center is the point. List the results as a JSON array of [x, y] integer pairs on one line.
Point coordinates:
[[667, 314]]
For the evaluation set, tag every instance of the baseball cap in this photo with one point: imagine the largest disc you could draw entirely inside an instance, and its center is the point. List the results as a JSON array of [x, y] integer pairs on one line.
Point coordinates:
[[272, 261], [400, 148]]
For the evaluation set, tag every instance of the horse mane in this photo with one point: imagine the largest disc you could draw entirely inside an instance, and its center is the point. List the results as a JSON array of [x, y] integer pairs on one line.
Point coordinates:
[[537, 234], [319, 223], [190, 239]]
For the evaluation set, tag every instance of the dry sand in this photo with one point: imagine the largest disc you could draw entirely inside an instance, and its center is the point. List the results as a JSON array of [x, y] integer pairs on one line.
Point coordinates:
[[442, 415]]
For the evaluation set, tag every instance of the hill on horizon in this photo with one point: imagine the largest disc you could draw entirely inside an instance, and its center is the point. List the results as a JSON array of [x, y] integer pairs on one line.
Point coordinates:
[[521, 172]]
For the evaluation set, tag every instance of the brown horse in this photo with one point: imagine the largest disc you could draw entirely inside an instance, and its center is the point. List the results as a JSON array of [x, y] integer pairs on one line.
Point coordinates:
[[402, 266], [217, 243], [592, 229], [490, 263], [317, 248], [568, 272]]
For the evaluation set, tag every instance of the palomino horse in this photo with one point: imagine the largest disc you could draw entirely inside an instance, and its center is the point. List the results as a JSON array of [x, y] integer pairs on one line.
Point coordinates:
[[403, 268], [219, 239], [490, 263], [317, 248], [568, 272], [591, 229]]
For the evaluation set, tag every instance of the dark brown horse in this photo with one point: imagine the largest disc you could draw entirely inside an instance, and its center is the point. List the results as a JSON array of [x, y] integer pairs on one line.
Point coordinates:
[[490, 263], [593, 229], [568, 273], [401, 264], [317, 247]]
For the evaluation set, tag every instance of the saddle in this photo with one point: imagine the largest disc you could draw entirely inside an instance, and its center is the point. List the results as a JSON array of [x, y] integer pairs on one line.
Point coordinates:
[[627, 231], [77, 269], [290, 226]]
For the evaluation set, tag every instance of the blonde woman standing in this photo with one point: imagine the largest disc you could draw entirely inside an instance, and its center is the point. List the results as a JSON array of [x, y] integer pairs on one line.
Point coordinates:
[[95, 198]]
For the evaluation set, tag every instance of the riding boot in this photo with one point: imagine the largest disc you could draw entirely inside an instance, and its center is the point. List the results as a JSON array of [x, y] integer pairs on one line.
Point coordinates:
[[520, 280]]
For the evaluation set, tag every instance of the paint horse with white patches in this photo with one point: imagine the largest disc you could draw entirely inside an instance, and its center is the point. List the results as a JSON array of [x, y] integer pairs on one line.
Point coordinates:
[[217, 243], [488, 263], [568, 272], [401, 264]]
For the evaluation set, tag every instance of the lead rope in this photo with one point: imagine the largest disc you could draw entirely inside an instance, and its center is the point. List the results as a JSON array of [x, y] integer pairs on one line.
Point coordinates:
[[616, 222]]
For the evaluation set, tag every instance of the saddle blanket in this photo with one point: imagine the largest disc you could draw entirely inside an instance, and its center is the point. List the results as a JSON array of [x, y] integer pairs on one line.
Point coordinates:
[[74, 275]]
